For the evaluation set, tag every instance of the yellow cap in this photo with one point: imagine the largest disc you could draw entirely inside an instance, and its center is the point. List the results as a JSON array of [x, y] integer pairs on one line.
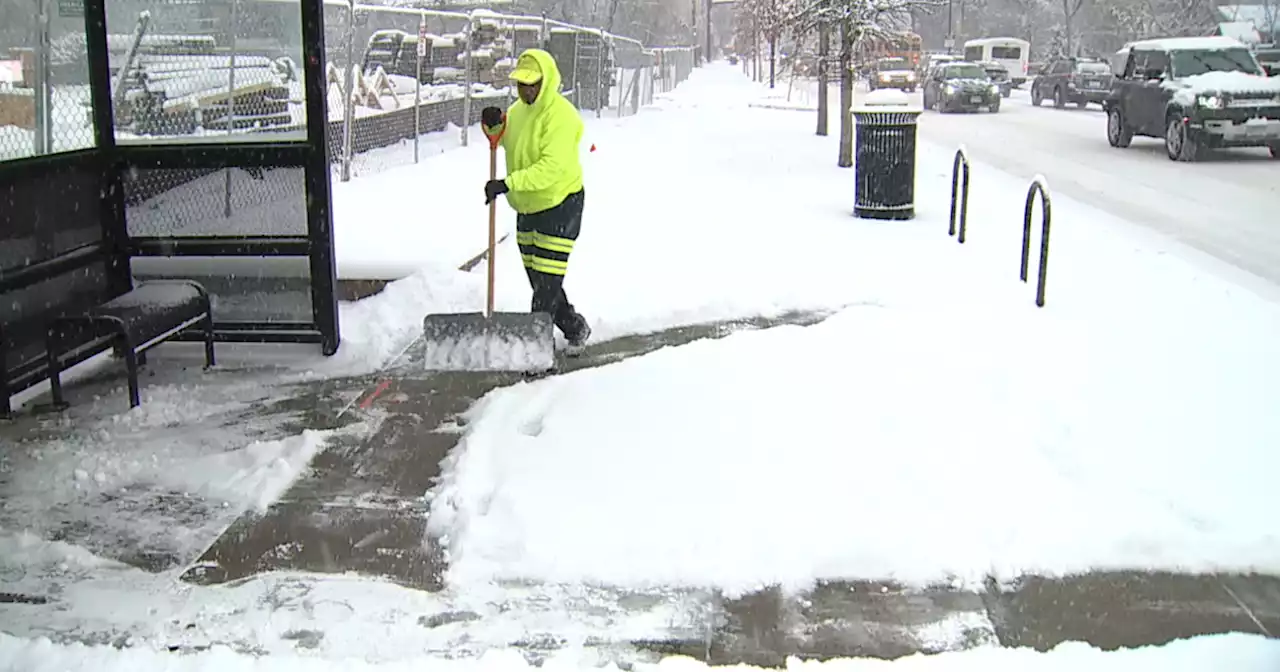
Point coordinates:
[[527, 70]]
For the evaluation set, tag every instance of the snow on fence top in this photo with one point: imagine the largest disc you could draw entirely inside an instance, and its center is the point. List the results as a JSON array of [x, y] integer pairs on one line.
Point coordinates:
[[1176, 43]]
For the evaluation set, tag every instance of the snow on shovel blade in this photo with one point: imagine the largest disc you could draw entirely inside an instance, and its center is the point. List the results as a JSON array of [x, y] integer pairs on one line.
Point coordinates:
[[501, 342]]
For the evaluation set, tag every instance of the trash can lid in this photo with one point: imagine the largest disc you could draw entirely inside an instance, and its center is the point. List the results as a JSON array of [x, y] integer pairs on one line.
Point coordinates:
[[886, 100]]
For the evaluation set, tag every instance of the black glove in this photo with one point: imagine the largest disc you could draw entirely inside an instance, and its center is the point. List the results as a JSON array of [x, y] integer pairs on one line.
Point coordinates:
[[494, 189], [491, 117]]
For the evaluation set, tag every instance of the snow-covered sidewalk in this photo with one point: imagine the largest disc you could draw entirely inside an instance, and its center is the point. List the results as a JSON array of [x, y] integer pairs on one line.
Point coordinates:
[[948, 428], [937, 427]]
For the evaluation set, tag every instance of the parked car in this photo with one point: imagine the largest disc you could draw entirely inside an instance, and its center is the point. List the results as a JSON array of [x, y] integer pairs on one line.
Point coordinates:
[[893, 73], [930, 61], [960, 85], [1073, 80], [1000, 75], [1197, 93]]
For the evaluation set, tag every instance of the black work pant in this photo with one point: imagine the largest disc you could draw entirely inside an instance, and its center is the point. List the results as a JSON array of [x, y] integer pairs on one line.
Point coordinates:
[[546, 240]]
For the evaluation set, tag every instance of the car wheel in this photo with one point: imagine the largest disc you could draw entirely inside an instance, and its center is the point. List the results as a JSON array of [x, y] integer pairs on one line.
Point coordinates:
[[1118, 133], [1059, 98], [1007, 93], [1275, 150], [1036, 98], [995, 105], [1082, 104], [1178, 143]]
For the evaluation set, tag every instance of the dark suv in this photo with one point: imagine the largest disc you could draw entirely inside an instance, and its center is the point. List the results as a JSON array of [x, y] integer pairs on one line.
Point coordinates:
[[1072, 80], [1196, 93], [1000, 75], [960, 85]]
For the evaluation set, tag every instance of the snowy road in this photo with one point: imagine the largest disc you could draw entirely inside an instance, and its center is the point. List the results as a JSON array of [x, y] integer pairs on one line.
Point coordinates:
[[1228, 206]]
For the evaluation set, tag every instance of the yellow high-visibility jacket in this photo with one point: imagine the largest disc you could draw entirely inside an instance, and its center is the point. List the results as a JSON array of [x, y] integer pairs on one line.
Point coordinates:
[[541, 144]]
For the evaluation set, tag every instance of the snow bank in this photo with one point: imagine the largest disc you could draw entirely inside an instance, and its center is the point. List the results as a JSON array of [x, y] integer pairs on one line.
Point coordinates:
[[763, 444], [1235, 652]]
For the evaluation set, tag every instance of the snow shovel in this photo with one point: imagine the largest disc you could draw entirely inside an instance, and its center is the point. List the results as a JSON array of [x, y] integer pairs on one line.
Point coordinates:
[[490, 341]]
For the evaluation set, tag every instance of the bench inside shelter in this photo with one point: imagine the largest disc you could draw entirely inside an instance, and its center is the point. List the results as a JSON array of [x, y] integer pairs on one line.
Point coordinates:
[[66, 296], [116, 239]]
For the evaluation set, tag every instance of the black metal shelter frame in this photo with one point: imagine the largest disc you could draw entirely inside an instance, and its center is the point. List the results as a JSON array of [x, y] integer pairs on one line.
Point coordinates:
[[68, 211]]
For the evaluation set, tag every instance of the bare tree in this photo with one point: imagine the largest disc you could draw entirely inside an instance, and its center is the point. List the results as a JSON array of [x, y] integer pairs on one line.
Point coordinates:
[[1070, 8], [824, 55], [1146, 18], [856, 20]]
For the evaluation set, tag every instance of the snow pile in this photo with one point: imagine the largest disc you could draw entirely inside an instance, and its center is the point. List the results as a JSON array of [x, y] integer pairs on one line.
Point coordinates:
[[886, 97], [379, 328], [1238, 653], [253, 477], [22, 552], [491, 348], [863, 424]]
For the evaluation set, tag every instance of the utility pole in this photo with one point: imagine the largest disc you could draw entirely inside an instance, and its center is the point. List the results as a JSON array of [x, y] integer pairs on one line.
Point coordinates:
[[951, 26], [708, 35]]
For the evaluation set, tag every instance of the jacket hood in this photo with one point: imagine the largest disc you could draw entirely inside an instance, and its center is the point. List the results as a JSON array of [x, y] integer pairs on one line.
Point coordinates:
[[550, 72]]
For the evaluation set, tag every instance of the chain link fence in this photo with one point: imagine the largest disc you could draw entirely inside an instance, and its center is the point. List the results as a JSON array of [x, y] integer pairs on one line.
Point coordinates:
[[44, 77], [418, 78], [402, 83]]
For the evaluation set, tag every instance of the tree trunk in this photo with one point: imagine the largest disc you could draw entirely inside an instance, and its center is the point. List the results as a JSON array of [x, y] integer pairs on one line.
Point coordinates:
[[824, 50], [773, 51], [846, 94]]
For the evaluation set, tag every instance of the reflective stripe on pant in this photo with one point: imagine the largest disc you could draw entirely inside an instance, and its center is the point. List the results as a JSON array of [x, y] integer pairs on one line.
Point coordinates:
[[546, 240]]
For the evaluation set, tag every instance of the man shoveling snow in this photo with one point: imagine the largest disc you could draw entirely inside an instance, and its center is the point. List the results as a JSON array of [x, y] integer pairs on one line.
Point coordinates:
[[541, 133]]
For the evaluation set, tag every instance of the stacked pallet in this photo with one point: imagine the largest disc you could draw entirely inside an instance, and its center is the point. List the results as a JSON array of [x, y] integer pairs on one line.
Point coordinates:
[[396, 52], [178, 84]]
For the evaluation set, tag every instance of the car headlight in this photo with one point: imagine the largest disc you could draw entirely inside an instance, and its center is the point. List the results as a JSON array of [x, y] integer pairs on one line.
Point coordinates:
[[950, 88], [884, 76], [993, 88], [1211, 102], [911, 76]]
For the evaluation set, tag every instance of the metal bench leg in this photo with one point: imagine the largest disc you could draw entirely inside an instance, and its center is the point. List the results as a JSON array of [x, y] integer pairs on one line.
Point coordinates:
[[52, 352], [131, 365], [209, 360], [6, 410]]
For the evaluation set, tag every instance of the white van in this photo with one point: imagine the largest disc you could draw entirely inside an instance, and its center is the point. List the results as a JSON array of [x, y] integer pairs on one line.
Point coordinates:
[[1010, 52]]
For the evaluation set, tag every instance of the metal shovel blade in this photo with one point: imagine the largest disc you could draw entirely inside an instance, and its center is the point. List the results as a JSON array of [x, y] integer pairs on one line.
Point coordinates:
[[500, 342]]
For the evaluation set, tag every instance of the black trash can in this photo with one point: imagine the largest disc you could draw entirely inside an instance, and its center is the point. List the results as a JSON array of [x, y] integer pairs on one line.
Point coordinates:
[[885, 162]]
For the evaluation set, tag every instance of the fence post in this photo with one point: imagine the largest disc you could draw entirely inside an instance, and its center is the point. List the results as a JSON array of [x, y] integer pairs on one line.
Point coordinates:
[[417, 86], [468, 78], [577, 70], [348, 90], [1038, 186], [602, 95], [231, 101], [43, 87], [960, 189]]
